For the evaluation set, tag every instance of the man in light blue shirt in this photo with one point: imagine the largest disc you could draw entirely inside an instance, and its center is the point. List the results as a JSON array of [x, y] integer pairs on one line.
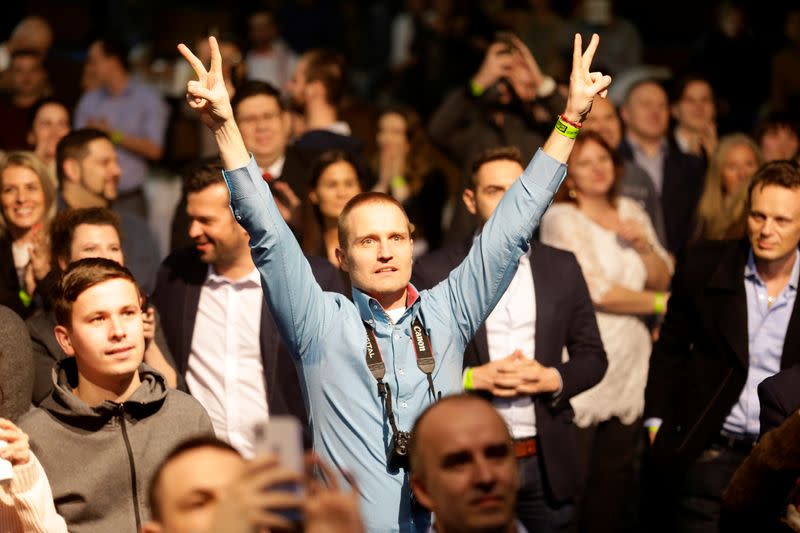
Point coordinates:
[[133, 115], [328, 334]]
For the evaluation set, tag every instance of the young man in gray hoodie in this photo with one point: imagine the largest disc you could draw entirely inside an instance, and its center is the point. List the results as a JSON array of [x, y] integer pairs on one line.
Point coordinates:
[[110, 419]]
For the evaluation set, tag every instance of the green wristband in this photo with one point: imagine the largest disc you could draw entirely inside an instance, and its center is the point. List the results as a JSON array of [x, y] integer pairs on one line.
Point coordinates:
[[567, 130], [659, 303], [117, 136], [25, 298], [468, 384], [475, 88], [398, 182]]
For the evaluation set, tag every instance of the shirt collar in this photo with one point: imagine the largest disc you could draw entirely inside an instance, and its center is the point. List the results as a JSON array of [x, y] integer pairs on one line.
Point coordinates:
[[125, 92], [370, 309], [751, 273], [340, 127], [275, 169], [520, 527], [638, 148], [252, 278]]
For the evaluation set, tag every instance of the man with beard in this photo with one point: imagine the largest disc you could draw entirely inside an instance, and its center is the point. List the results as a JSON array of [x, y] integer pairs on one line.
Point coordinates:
[[218, 328], [88, 176], [317, 87]]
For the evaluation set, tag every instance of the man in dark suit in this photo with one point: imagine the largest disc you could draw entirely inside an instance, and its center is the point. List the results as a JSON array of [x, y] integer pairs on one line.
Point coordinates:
[[732, 321], [216, 322], [516, 356], [677, 177]]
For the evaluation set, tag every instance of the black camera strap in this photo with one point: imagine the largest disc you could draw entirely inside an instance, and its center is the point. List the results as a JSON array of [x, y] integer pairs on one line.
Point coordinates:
[[425, 362]]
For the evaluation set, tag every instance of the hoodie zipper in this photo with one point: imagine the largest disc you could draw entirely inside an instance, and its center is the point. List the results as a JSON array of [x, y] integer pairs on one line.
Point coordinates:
[[121, 416]]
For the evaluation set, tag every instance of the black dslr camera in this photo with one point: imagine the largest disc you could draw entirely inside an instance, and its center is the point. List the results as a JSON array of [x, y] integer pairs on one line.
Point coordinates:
[[398, 450]]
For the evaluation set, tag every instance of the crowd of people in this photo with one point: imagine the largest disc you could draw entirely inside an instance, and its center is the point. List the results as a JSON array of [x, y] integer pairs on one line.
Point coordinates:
[[516, 297]]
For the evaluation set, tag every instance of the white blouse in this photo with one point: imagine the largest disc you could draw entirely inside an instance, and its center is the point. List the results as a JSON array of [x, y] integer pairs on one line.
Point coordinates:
[[607, 261]]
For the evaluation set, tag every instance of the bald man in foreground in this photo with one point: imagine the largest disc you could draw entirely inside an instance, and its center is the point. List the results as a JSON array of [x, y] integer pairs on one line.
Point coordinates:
[[463, 467]]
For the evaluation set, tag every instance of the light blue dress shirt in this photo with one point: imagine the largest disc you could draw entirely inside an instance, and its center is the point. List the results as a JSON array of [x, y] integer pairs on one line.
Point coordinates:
[[325, 332], [139, 111], [766, 329]]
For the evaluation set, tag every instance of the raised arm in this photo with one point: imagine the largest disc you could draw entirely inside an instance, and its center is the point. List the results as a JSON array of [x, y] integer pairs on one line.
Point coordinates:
[[209, 96], [584, 85], [298, 305], [473, 288]]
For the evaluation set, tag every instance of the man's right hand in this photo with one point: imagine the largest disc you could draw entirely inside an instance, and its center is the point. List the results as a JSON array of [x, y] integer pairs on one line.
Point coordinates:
[[208, 94], [497, 64], [501, 377]]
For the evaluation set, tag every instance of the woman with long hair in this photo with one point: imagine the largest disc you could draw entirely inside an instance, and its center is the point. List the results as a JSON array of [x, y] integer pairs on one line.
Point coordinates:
[[27, 204], [721, 210], [334, 181], [627, 272]]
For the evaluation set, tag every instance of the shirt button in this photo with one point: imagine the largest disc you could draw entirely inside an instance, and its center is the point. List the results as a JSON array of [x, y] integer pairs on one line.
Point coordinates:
[[403, 405], [397, 337], [238, 217], [401, 371]]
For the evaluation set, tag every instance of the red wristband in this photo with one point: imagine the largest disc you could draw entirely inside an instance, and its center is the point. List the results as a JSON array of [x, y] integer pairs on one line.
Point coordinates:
[[568, 121]]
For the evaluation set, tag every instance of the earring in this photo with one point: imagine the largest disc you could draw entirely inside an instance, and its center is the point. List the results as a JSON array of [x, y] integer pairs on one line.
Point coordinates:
[[571, 193]]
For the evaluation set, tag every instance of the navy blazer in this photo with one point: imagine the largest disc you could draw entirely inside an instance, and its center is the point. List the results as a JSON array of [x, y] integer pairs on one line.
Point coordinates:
[[177, 296], [565, 316]]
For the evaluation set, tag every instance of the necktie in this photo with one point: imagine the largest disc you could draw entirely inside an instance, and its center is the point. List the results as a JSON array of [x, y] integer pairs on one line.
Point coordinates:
[[267, 176]]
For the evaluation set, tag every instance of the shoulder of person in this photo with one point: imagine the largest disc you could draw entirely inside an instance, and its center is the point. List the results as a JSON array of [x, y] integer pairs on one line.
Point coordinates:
[[182, 404], [564, 257], [34, 421]]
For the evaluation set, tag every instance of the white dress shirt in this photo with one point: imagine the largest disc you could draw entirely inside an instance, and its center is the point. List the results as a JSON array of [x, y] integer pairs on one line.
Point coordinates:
[[511, 326], [225, 372]]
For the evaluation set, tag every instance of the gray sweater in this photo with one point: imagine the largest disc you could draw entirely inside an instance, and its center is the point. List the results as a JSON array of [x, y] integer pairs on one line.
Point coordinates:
[[100, 460]]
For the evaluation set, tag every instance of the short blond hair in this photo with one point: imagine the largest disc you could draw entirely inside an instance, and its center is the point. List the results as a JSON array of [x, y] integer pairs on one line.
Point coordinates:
[[31, 161]]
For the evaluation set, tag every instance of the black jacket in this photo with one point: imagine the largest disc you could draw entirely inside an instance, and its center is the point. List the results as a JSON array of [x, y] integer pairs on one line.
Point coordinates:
[[564, 317], [699, 364]]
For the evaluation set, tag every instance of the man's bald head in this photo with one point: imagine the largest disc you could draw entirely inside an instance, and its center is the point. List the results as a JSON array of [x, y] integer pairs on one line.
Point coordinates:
[[463, 466], [449, 411]]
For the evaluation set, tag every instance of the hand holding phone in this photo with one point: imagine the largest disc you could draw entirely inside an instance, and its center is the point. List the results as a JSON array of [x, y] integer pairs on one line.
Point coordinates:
[[283, 437]]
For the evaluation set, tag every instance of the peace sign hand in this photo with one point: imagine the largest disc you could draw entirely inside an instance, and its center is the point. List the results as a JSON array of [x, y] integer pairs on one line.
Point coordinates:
[[208, 94], [584, 85]]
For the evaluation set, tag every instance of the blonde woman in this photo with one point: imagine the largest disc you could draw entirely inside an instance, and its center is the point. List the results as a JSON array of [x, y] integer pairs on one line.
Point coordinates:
[[27, 204], [721, 210]]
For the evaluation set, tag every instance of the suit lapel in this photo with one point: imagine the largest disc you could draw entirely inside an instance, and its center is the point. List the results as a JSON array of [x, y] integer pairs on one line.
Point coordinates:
[[194, 276], [791, 343], [544, 313], [728, 301]]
